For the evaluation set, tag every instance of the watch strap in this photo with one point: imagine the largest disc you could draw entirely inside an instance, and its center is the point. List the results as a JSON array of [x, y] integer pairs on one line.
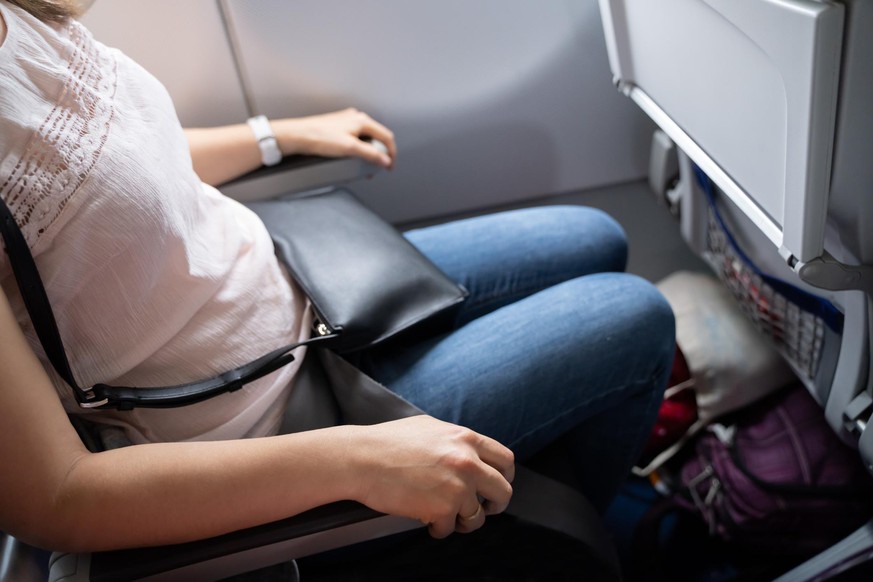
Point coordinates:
[[269, 146]]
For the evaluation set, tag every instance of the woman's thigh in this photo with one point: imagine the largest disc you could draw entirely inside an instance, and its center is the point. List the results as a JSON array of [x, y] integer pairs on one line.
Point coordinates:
[[529, 372], [503, 257]]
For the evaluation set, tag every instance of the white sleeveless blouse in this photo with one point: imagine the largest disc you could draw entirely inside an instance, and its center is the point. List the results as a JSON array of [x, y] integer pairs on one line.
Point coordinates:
[[155, 278]]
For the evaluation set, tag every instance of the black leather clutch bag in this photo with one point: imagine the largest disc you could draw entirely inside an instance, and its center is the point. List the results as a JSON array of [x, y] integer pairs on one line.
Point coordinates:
[[366, 282]]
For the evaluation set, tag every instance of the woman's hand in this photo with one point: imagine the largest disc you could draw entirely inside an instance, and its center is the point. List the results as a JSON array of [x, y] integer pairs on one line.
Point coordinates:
[[441, 474], [336, 134]]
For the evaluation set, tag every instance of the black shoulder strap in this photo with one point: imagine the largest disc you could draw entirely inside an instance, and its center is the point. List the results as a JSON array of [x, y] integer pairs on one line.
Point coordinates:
[[119, 397], [35, 298]]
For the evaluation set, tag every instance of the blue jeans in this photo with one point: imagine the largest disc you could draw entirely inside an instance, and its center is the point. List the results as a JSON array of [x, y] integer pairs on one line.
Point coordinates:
[[555, 352]]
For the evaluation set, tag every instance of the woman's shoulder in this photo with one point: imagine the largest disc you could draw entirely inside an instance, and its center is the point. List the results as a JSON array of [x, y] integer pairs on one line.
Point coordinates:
[[41, 49], [56, 100]]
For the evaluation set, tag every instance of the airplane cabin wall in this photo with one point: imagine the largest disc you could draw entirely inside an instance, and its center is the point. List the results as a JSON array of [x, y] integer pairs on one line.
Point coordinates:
[[492, 102], [183, 44]]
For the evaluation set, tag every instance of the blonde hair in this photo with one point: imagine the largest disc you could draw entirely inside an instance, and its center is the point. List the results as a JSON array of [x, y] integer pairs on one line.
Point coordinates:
[[49, 10]]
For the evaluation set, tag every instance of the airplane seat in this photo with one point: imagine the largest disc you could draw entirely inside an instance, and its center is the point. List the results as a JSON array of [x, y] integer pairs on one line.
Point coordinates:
[[768, 108], [537, 500]]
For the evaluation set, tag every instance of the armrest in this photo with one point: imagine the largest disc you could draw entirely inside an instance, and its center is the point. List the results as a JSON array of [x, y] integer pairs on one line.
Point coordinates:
[[298, 174], [536, 499], [321, 529]]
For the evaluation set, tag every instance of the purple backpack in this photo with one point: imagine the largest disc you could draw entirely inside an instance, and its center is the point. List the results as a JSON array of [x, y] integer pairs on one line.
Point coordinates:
[[777, 478]]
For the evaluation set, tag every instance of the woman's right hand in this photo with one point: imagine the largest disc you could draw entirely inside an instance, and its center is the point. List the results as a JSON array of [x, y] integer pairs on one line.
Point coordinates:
[[336, 134], [446, 476]]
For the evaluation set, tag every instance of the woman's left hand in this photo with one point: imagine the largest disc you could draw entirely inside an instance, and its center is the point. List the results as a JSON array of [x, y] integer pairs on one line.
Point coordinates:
[[336, 134]]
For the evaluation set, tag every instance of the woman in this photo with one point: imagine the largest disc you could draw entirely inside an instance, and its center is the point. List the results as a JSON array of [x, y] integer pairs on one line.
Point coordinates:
[[156, 279]]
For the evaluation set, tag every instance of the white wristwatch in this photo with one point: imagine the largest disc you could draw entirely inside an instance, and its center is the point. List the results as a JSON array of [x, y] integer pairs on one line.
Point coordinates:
[[270, 152]]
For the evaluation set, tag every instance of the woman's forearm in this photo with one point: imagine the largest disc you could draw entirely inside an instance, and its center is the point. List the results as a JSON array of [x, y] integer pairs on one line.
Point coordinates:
[[220, 154], [176, 492], [417, 467]]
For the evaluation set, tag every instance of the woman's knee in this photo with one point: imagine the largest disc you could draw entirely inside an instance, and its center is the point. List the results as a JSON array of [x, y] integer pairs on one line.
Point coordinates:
[[630, 317], [647, 320], [589, 233], [653, 306]]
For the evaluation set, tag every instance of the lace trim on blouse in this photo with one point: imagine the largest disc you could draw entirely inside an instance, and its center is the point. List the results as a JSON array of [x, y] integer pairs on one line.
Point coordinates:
[[68, 142]]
